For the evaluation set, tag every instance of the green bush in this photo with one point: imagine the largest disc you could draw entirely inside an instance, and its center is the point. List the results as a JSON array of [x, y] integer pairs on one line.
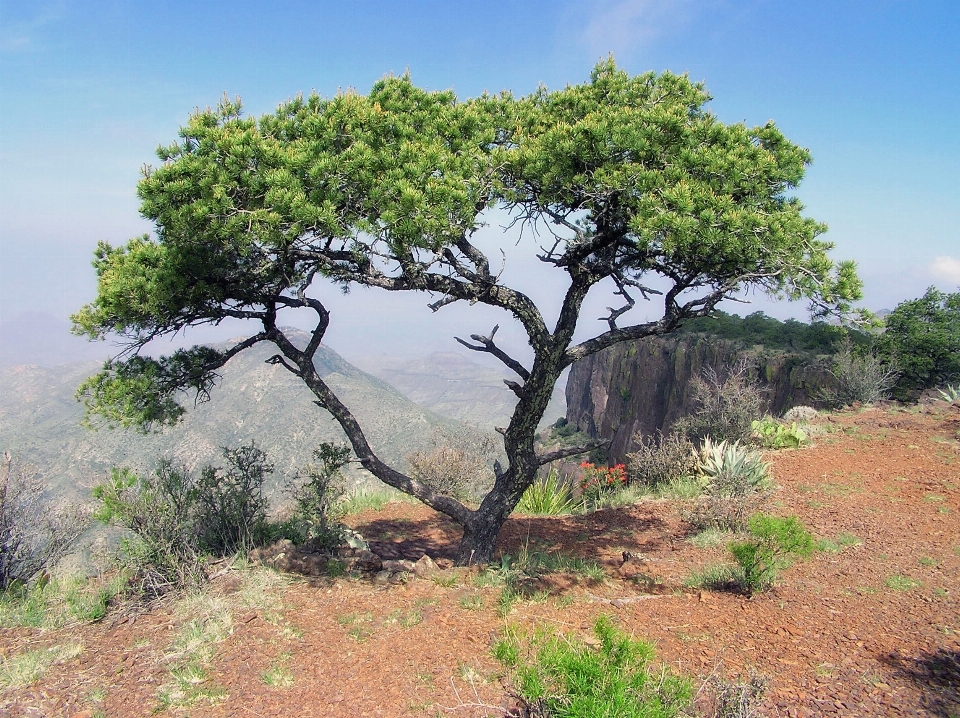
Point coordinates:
[[773, 545], [547, 496], [231, 508], [730, 469], [923, 337], [772, 434], [562, 677], [319, 497]]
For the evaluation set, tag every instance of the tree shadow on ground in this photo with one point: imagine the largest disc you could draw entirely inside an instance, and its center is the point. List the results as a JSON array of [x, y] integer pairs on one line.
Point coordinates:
[[586, 536], [937, 675]]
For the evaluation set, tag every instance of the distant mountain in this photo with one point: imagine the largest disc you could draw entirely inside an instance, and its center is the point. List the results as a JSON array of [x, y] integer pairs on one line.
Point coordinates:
[[453, 386], [40, 420]]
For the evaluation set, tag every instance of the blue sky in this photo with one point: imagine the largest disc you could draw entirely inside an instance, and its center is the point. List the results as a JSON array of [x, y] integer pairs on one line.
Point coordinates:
[[89, 89]]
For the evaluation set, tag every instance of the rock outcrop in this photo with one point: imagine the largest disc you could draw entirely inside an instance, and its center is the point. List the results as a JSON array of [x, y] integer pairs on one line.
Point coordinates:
[[645, 385]]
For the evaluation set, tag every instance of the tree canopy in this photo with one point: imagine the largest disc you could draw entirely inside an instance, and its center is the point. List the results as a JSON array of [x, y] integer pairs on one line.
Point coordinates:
[[625, 180]]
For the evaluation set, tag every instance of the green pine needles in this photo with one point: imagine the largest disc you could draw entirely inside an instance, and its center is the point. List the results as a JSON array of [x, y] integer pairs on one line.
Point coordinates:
[[611, 675]]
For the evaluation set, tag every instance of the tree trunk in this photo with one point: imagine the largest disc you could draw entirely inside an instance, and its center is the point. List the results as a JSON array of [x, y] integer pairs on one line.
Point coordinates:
[[479, 539]]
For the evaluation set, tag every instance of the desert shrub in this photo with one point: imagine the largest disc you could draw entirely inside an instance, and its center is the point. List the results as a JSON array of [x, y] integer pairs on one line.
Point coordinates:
[[549, 495], [459, 465], [860, 376], [661, 459], [562, 676], [159, 510], [318, 496], [231, 506], [773, 545], [734, 479], [725, 406], [34, 533], [800, 414], [773, 434], [923, 337]]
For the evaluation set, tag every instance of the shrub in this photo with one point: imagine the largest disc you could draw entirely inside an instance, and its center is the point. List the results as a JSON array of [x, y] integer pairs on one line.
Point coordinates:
[[950, 394], [459, 465], [733, 478], [774, 544], [661, 459], [547, 496], [159, 509], [860, 376], [801, 414], [318, 497], [561, 676], [231, 507], [923, 337], [772, 434], [725, 406], [597, 482], [34, 534]]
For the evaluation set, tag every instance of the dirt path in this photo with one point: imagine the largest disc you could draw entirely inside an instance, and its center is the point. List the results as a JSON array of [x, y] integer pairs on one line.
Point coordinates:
[[872, 629]]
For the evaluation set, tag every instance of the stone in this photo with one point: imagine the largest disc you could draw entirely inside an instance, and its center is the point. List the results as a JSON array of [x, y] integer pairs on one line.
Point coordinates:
[[425, 567], [397, 565]]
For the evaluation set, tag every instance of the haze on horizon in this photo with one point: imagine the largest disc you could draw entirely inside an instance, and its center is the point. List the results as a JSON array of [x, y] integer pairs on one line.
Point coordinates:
[[88, 91]]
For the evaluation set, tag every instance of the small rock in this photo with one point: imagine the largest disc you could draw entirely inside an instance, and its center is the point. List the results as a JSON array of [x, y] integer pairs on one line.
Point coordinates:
[[425, 567], [398, 565], [702, 597], [382, 577]]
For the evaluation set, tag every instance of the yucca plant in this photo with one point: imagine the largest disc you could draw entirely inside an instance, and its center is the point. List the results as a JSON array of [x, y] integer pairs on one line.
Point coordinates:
[[547, 496], [730, 469]]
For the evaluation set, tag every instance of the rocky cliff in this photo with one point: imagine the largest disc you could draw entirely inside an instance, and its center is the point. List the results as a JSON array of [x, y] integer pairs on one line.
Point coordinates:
[[646, 385]]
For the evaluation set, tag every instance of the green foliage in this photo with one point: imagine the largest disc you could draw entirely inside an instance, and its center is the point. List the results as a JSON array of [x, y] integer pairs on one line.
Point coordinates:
[[611, 676], [547, 496], [725, 405], [176, 518], [58, 602], [731, 469], [319, 497], [773, 434], [923, 337], [758, 329], [774, 544], [661, 459], [597, 483], [950, 394]]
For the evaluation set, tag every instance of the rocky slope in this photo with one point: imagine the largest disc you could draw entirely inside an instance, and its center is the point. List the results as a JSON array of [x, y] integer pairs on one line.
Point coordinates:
[[646, 385]]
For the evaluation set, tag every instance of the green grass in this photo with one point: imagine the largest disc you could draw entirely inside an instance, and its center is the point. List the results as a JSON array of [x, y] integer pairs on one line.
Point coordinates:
[[716, 577], [25, 668], [710, 537], [471, 603], [898, 582], [838, 543], [278, 675], [371, 501], [58, 603]]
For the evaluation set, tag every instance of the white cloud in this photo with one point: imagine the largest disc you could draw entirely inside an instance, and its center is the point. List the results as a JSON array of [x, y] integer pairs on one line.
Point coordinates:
[[619, 26], [946, 269]]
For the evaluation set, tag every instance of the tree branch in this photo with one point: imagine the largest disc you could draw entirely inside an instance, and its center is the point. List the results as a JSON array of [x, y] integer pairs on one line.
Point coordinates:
[[487, 345], [571, 451]]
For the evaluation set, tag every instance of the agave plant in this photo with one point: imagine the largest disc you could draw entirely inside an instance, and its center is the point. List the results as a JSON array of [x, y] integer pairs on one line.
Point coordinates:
[[950, 394], [730, 469], [547, 496]]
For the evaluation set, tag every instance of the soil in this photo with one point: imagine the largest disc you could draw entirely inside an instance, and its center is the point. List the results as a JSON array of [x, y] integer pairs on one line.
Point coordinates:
[[870, 630]]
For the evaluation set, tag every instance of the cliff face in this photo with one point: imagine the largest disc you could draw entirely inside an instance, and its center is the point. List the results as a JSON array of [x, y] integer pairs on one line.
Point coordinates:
[[646, 385]]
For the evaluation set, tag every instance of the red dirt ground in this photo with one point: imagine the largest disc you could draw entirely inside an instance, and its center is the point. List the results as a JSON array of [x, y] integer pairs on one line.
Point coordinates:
[[838, 635]]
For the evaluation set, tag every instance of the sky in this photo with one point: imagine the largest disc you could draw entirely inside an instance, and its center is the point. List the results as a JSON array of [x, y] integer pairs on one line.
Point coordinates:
[[88, 90]]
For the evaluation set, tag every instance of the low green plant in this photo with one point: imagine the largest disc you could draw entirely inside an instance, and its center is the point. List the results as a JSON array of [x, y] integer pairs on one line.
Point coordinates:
[[731, 469], [773, 434], [950, 394], [612, 675], [549, 495], [773, 545], [60, 601], [22, 669], [716, 577], [898, 582], [838, 543]]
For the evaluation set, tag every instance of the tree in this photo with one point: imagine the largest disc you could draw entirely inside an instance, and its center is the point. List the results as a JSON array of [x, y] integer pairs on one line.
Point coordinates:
[[922, 337], [627, 179]]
